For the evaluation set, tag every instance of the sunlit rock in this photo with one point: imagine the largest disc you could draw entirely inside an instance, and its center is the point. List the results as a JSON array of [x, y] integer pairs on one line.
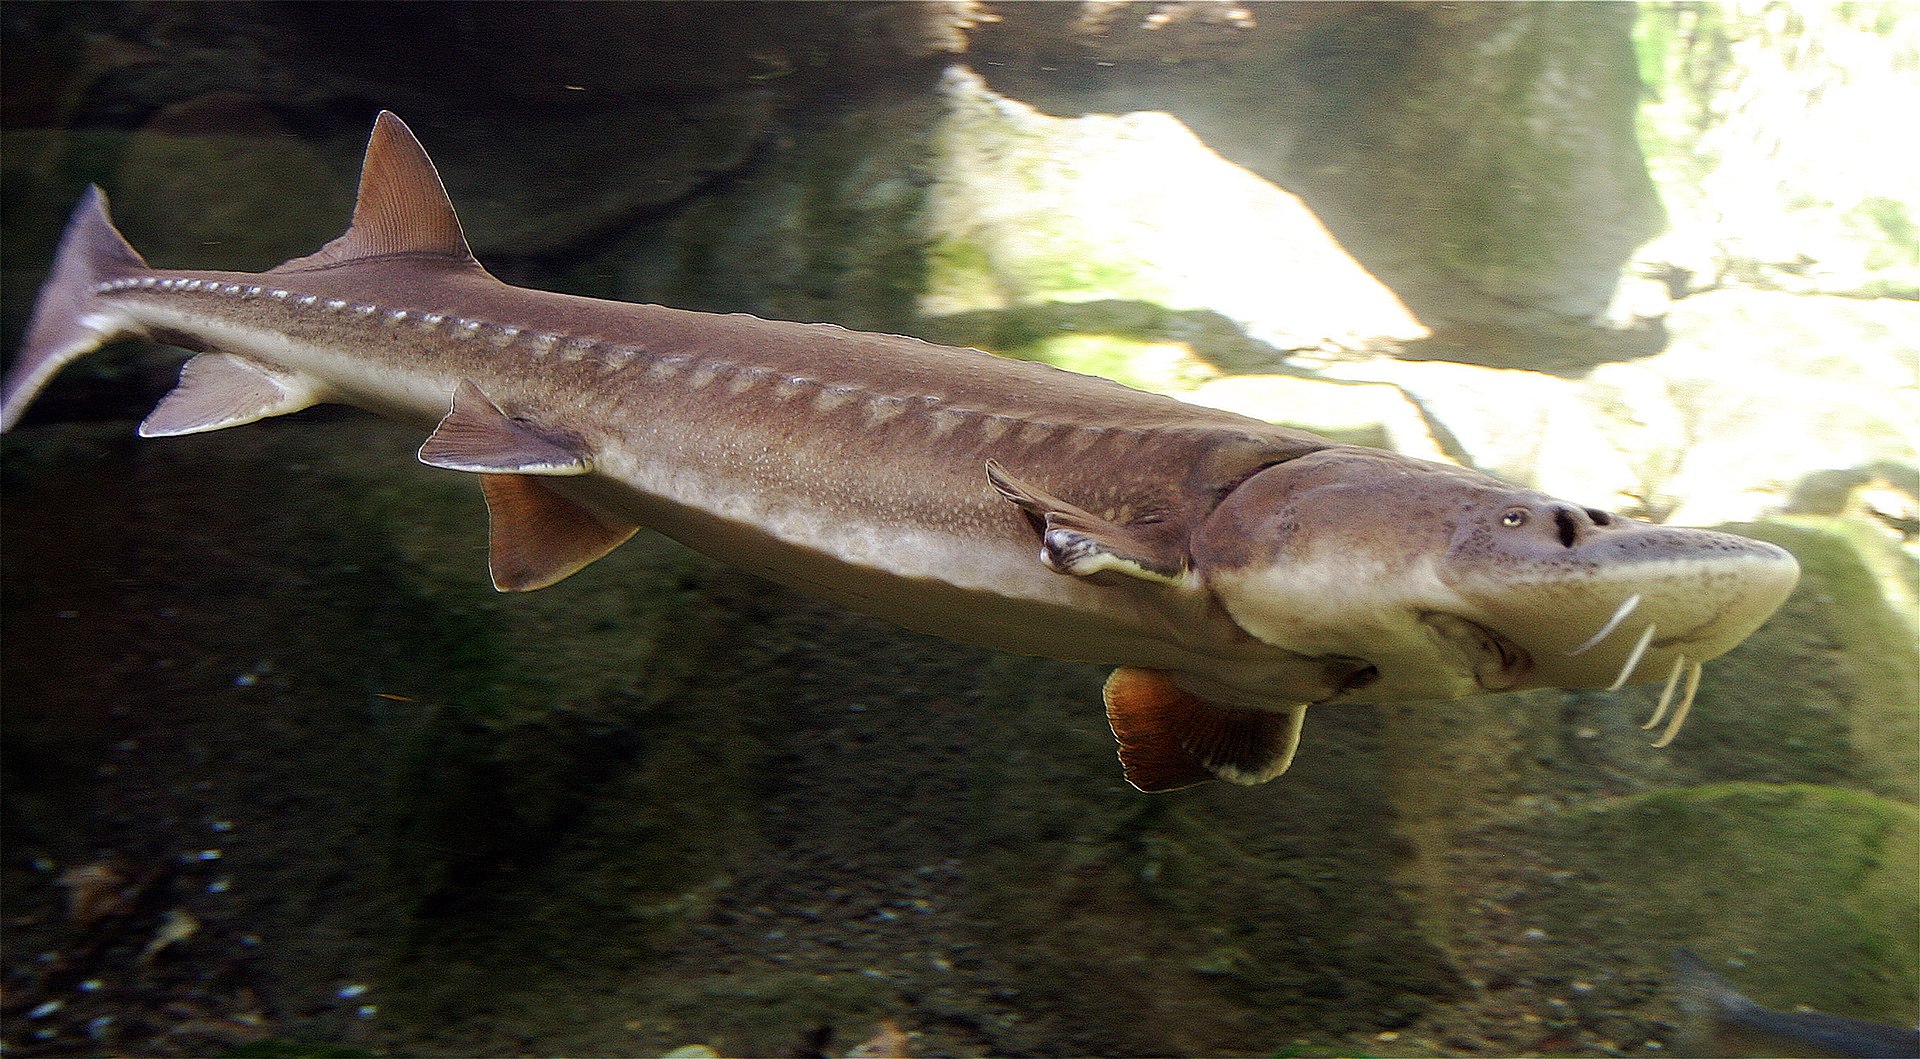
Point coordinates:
[[1759, 391], [1374, 414], [1026, 208], [1767, 128]]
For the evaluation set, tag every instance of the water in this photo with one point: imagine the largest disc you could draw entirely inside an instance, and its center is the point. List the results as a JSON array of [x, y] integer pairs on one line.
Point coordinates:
[[257, 677]]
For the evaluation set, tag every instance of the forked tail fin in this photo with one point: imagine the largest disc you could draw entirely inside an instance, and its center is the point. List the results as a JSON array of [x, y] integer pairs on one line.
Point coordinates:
[[68, 320]]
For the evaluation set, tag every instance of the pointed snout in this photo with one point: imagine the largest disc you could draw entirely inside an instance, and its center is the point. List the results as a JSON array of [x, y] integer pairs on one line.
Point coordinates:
[[1578, 590], [1705, 590]]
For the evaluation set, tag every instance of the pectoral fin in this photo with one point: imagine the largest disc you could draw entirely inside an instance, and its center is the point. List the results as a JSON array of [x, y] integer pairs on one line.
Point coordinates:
[[1171, 738], [537, 537], [477, 436], [218, 390], [1078, 542]]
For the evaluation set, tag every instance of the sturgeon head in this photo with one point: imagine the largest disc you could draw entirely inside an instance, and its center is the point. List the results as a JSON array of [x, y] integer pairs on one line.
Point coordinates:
[[1433, 582]]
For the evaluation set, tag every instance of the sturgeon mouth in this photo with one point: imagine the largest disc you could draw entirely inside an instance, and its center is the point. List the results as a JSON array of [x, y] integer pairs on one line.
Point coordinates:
[[1497, 662]]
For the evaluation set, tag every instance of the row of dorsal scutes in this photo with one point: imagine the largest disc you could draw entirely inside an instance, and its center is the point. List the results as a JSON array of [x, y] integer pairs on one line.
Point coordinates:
[[608, 355], [936, 417]]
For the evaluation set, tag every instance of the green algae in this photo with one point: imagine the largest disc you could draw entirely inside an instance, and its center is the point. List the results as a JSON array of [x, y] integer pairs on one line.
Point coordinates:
[[961, 271], [1159, 367], [1812, 886], [1290, 917], [1036, 260], [829, 219], [1862, 587]]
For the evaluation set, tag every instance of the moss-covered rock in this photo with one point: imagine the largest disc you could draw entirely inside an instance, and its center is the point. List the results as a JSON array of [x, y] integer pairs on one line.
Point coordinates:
[[1863, 587], [1479, 161], [1811, 887]]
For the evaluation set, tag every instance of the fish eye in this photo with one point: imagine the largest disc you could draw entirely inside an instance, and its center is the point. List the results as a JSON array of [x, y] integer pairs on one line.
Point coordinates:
[[1514, 518]]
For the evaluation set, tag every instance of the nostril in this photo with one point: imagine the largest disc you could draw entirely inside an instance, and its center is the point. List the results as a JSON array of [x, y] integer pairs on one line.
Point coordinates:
[[1568, 526], [1600, 518]]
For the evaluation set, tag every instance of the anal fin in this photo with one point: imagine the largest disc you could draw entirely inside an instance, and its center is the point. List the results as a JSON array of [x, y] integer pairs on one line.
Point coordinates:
[[537, 537], [219, 390], [1171, 738]]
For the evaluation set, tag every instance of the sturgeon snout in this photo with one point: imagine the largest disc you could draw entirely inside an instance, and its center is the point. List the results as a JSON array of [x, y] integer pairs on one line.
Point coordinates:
[[1599, 600]]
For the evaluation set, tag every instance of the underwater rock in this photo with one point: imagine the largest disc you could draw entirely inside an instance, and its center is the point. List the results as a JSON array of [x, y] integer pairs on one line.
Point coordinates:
[[967, 217], [822, 227], [577, 177], [1358, 413], [1693, 435], [1818, 383], [618, 111], [1850, 647], [1029, 208], [1759, 125], [1479, 160], [399, 755], [1833, 926], [161, 195], [1524, 426]]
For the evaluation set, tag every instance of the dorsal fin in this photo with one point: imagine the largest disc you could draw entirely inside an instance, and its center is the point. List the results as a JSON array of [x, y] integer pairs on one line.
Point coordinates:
[[402, 209]]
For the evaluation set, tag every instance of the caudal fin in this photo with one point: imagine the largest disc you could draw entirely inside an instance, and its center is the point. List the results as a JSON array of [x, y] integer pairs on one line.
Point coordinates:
[[68, 320]]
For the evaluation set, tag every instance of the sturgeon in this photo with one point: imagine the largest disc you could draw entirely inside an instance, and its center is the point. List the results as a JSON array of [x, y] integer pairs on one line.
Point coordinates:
[[1233, 571]]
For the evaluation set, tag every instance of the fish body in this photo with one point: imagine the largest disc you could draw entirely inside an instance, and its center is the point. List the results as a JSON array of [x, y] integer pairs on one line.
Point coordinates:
[[1721, 1021], [1235, 571]]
